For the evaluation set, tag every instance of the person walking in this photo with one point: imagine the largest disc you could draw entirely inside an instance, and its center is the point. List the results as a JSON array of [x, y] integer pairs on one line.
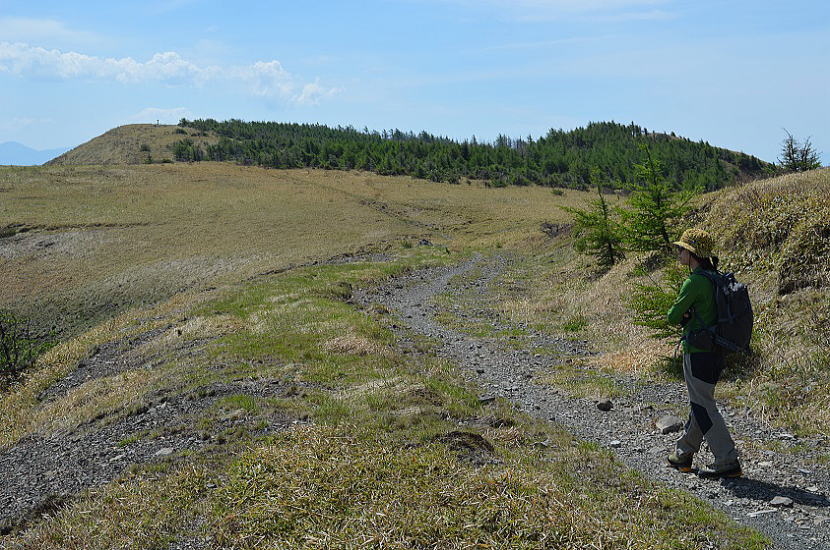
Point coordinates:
[[695, 309]]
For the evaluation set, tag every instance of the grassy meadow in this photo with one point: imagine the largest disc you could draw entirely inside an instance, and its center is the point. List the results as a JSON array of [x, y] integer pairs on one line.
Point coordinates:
[[363, 449], [92, 241], [374, 461]]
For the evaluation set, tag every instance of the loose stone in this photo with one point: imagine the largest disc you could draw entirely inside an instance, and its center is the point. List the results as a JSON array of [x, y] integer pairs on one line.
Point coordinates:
[[781, 501], [669, 423]]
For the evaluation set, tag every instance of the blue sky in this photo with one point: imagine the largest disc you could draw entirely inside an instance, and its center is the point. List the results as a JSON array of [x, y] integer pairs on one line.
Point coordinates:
[[732, 73]]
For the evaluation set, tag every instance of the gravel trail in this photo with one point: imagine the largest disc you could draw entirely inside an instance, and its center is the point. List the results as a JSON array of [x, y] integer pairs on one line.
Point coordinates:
[[789, 469], [44, 472]]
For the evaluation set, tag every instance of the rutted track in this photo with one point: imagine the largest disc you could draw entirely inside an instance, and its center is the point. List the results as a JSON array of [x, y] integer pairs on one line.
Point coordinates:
[[512, 372]]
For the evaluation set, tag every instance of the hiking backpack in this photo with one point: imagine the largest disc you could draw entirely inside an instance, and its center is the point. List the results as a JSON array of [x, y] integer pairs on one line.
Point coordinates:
[[733, 329]]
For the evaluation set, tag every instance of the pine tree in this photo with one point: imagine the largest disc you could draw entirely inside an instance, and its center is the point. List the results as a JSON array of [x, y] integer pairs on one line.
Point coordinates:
[[655, 209], [651, 301], [596, 231], [797, 156]]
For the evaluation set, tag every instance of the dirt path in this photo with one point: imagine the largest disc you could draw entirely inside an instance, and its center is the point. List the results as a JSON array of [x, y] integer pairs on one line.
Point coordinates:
[[789, 469]]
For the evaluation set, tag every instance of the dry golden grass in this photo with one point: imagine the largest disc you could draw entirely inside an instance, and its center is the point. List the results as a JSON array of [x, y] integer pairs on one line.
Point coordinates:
[[124, 144], [355, 345], [105, 238]]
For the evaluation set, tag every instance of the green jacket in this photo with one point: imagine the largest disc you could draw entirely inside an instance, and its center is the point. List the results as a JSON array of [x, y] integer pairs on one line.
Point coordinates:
[[697, 292]]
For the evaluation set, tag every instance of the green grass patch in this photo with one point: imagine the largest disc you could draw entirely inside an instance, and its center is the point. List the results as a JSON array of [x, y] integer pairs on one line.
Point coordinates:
[[239, 402], [575, 324], [583, 381]]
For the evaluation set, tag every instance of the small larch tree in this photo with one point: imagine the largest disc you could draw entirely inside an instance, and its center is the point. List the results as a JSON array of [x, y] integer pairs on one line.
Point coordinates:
[[797, 156], [19, 347], [596, 230], [654, 210]]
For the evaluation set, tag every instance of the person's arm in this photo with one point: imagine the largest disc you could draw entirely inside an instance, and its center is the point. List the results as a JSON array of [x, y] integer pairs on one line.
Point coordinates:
[[685, 299]]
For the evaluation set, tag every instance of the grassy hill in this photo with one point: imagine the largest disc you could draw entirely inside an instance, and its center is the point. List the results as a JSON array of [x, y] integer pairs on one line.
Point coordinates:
[[132, 144], [258, 405]]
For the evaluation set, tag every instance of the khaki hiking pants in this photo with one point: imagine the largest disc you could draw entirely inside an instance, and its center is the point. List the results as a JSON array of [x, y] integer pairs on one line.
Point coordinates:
[[702, 371]]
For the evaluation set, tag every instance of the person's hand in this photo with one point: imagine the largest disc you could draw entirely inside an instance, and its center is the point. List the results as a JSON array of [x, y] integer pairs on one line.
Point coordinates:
[[685, 319]]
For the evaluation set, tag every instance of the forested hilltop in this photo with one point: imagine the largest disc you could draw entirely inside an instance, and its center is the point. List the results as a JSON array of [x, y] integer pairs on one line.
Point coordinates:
[[559, 159]]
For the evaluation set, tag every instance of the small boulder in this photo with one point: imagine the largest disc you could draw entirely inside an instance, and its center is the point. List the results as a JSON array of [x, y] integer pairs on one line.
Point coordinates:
[[616, 444], [669, 423], [781, 501], [605, 405], [235, 415], [166, 451]]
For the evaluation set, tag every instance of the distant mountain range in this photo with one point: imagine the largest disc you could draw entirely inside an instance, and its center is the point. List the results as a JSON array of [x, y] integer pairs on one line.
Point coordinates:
[[18, 154]]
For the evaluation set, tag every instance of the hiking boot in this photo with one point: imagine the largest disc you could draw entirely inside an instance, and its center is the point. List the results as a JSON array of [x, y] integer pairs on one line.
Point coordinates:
[[730, 469], [680, 463]]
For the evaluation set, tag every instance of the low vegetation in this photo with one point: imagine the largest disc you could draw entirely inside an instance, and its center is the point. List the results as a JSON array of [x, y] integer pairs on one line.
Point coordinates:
[[394, 449]]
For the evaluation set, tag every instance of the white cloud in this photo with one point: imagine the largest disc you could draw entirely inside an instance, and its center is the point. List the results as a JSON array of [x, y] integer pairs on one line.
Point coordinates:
[[165, 116], [27, 29], [312, 93], [24, 60], [267, 79], [263, 78]]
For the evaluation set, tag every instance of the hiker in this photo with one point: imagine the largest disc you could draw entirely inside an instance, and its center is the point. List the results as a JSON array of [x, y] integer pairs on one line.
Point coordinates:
[[695, 309]]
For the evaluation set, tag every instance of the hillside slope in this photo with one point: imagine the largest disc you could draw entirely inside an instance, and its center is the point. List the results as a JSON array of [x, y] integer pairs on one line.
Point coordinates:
[[132, 144], [232, 393], [775, 235]]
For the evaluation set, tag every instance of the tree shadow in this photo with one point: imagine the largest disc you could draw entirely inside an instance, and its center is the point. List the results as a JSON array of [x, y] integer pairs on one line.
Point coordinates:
[[741, 365], [763, 491], [671, 366]]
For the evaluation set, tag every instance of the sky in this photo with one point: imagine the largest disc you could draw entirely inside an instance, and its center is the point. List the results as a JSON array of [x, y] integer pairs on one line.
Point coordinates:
[[735, 74]]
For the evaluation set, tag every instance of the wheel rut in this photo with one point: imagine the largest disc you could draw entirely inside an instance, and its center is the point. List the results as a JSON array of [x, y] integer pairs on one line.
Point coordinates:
[[513, 367]]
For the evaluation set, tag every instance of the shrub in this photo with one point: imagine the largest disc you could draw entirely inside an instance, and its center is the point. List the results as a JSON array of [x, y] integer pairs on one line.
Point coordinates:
[[596, 231], [19, 347]]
